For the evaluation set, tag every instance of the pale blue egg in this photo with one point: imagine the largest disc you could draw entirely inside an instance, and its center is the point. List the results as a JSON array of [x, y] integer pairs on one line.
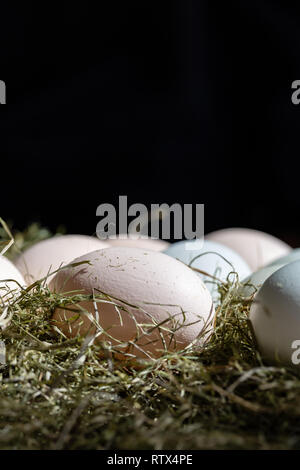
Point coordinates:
[[213, 258], [275, 315]]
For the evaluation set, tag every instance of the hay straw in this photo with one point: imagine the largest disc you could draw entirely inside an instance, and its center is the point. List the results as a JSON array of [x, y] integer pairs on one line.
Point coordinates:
[[59, 393]]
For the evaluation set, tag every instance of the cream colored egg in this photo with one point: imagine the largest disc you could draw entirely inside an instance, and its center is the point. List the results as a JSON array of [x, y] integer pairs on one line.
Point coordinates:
[[257, 248], [49, 255], [167, 306], [144, 243], [11, 280]]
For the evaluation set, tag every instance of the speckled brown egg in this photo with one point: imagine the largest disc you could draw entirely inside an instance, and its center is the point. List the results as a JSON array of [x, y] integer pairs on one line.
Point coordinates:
[[162, 303]]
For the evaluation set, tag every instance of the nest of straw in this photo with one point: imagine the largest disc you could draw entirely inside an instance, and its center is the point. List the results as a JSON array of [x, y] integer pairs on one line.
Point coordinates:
[[60, 393]]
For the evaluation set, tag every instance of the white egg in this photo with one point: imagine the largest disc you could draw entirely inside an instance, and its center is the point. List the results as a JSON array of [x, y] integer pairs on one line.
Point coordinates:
[[275, 314], [257, 248], [259, 277], [252, 283], [216, 260], [49, 255], [11, 280], [162, 303], [293, 255]]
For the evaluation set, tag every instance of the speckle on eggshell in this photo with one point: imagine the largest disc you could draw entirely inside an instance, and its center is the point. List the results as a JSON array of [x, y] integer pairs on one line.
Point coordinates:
[[156, 288]]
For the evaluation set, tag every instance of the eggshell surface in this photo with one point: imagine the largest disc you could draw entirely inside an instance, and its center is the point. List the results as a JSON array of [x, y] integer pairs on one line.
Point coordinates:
[[49, 255], [257, 248], [144, 243], [293, 255], [154, 288], [275, 314], [8, 274], [256, 280], [215, 260]]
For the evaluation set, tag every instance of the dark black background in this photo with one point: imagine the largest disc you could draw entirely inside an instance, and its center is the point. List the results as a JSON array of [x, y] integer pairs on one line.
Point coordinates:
[[164, 101]]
